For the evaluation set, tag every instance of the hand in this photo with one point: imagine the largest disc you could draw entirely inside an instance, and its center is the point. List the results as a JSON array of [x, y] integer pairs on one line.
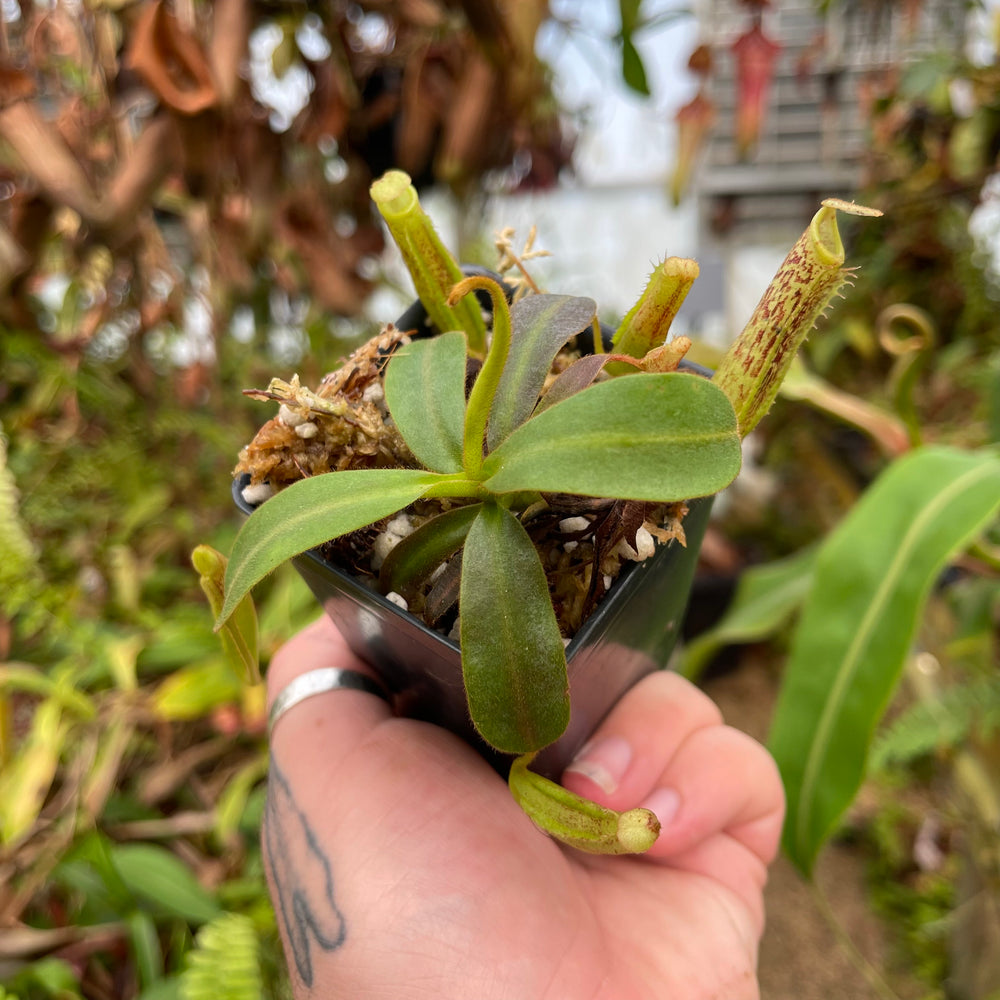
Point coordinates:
[[401, 868]]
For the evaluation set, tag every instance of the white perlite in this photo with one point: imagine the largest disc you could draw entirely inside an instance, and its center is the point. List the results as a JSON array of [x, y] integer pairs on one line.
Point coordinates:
[[374, 393], [395, 531], [255, 495], [645, 546], [291, 417], [398, 600]]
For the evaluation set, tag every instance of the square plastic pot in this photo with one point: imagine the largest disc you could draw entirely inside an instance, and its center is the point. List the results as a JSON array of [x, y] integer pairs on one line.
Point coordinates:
[[632, 633]]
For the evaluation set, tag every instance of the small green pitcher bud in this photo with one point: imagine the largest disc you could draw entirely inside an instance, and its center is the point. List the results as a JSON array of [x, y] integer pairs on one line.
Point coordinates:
[[576, 821], [647, 323]]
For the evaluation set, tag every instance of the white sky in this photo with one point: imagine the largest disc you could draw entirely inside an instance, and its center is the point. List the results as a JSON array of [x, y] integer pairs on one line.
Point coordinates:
[[628, 138]]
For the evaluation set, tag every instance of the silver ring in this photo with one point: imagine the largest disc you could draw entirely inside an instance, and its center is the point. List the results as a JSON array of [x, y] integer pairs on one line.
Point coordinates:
[[319, 682]]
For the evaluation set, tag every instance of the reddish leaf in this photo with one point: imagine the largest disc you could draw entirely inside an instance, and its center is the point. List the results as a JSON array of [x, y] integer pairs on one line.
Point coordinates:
[[694, 122], [755, 57]]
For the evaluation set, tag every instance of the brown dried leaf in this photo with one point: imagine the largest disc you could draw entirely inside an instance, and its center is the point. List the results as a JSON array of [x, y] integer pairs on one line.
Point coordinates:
[[468, 119], [47, 158], [171, 61], [142, 172], [15, 85], [13, 261], [325, 256], [228, 48], [419, 117]]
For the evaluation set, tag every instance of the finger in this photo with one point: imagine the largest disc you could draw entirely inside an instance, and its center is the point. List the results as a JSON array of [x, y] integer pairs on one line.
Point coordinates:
[[330, 723], [623, 760], [665, 746], [718, 781]]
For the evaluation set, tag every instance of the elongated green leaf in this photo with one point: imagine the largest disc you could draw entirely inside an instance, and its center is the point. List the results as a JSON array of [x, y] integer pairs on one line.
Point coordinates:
[[659, 437], [194, 690], [765, 600], [540, 326], [16, 676], [162, 880], [421, 552], [26, 780], [313, 511], [232, 803], [512, 653], [871, 581], [633, 70], [425, 393], [145, 947]]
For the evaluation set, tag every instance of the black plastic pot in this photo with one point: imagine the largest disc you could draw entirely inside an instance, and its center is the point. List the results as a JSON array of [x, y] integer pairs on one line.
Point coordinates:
[[632, 632]]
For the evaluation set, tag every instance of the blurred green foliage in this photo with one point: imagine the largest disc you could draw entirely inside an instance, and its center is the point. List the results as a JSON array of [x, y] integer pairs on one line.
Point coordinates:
[[132, 754]]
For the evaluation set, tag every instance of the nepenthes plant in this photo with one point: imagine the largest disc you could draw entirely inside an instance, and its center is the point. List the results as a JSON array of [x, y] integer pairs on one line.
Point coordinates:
[[499, 424]]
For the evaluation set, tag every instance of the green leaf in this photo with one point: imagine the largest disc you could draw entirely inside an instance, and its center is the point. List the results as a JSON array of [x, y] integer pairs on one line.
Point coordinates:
[[766, 599], [233, 800], [26, 779], [659, 437], [425, 393], [417, 555], [540, 326], [145, 947], [26, 677], [225, 965], [633, 71], [192, 692], [512, 653], [944, 721], [162, 880], [163, 989], [313, 511], [630, 13], [871, 581]]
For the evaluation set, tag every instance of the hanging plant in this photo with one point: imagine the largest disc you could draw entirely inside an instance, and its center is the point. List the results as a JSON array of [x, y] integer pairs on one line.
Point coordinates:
[[755, 55]]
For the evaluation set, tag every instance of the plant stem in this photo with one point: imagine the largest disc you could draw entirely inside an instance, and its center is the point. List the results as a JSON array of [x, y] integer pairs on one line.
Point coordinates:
[[871, 975], [458, 486], [598, 337], [477, 410]]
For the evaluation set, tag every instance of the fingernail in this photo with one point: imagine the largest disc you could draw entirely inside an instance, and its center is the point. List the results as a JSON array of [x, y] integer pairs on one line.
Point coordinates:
[[603, 761], [664, 802]]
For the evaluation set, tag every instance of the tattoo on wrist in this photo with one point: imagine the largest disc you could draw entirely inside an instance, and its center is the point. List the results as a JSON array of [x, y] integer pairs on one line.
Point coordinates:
[[303, 878]]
